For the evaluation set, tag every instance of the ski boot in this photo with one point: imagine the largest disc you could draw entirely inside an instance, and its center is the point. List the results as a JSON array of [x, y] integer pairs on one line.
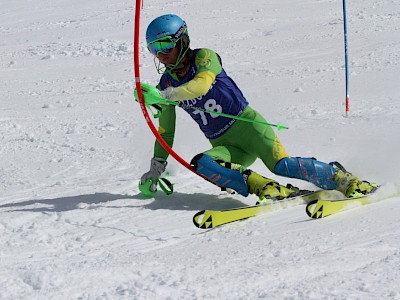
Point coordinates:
[[350, 185], [268, 189]]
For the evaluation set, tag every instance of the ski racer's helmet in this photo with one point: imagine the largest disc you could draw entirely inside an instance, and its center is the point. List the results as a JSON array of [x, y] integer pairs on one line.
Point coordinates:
[[165, 33]]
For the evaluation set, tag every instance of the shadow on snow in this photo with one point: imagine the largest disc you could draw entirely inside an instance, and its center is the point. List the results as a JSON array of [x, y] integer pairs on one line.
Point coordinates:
[[176, 201]]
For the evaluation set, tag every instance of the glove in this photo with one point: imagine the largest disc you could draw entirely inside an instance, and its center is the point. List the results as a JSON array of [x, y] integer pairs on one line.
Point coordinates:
[[157, 167]]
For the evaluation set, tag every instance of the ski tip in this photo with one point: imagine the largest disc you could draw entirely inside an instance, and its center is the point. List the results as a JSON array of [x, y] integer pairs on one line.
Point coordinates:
[[202, 220], [311, 209], [197, 218]]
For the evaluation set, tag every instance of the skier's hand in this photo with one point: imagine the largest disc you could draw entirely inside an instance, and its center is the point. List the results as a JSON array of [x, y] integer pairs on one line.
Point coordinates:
[[157, 167], [167, 93], [152, 95]]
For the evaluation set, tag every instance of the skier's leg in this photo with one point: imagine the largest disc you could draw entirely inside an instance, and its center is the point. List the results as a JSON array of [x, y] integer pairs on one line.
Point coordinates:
[[260, 139], [215, 166], [326, 176], [263, 143]]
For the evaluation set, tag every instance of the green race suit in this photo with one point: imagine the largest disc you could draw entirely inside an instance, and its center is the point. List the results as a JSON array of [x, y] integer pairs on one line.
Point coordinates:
[[234, 141]]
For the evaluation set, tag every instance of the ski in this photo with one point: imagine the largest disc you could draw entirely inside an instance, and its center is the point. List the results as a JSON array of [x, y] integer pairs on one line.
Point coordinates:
[[320, 208], [207, 219]]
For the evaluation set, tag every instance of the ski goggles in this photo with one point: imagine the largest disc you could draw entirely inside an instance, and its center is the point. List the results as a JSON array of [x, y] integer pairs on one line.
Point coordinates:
[[163, 45]]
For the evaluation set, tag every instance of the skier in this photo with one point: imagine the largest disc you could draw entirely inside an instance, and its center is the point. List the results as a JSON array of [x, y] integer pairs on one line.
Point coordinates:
[[197, 79]]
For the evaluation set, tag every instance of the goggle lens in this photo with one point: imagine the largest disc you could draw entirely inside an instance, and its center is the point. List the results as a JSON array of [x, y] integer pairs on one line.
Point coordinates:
[[163, 46]]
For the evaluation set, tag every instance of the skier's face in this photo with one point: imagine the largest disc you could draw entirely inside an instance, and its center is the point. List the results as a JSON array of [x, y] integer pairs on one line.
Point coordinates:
[[169, 58]]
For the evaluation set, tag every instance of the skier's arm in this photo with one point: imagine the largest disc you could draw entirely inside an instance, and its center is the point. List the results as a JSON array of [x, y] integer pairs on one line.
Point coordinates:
[[166, 129], [208, 67]]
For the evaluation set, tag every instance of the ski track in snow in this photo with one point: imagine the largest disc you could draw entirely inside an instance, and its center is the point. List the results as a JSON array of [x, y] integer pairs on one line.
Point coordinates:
[[74, 144]]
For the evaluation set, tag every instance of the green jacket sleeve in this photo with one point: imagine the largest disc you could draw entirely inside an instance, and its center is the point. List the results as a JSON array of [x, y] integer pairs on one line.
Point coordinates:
[[208, 67], [166, 128]]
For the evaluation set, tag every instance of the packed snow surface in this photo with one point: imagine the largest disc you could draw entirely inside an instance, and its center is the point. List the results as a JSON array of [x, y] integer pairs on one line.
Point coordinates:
[[74, 144]]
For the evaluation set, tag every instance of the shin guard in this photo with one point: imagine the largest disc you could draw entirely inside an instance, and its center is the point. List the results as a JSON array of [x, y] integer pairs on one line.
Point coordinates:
[[309, 169], [219, 175]]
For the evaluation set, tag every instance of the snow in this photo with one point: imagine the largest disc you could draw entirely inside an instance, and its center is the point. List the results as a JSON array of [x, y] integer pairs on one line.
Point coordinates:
[[74, 144]]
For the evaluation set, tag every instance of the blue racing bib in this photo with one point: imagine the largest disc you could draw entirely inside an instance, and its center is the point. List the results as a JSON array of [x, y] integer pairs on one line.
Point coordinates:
[[223, 97]]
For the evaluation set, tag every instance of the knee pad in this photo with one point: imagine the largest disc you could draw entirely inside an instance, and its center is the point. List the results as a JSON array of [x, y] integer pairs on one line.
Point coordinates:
[[309, 169], [219, 175]]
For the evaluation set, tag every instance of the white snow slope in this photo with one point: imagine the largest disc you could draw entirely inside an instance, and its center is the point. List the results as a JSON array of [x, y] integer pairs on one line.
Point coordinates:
[[74, 144]]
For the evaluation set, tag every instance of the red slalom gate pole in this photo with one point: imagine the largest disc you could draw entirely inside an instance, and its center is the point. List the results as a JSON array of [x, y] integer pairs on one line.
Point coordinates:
[[139, 6]]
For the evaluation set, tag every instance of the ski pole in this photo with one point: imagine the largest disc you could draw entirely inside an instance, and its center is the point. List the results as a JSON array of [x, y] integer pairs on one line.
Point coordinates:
[[279, 126], [154, 97], [346, 58]]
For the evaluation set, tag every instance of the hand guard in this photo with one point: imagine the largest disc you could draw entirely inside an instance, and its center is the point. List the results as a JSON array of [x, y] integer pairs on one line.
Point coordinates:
[[152, 95], [157, 167]]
